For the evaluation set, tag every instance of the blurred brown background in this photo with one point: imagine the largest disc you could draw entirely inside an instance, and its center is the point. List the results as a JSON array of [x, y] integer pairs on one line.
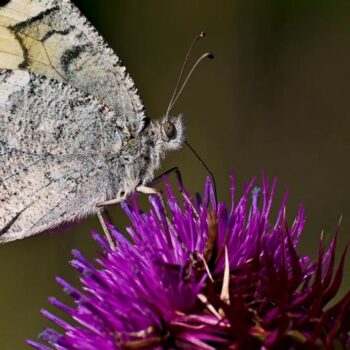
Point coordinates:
[[276, 98]]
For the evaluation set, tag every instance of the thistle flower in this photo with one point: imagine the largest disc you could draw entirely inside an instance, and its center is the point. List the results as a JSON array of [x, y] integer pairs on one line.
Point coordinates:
[[205, 277]]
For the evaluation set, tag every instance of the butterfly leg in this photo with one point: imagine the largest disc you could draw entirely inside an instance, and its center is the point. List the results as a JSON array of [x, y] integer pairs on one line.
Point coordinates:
[[99, 211], [109, 203], [151, 191], [174, 170], [178, 176], [147, 190]]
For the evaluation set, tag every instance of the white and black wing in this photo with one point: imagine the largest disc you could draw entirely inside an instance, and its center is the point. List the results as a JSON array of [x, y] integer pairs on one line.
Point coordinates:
[[52, 166], [52, 38]]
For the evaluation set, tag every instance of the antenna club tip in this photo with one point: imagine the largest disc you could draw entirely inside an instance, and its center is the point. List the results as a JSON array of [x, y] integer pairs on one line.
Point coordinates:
[[210, 56], [202, 34]]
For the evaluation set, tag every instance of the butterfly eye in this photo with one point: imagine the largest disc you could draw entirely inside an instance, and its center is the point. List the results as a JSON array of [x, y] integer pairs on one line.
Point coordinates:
[[169, 130]]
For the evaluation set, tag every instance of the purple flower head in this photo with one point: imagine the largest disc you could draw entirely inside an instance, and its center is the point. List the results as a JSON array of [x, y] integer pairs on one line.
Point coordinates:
[[204, 276]]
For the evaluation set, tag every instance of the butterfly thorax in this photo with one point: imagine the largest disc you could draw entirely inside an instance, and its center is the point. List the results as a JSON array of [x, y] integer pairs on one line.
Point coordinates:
[[137, 160]]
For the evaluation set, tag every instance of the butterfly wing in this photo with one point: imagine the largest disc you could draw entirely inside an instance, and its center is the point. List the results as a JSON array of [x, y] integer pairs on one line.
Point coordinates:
[[52, 162], [52, 38]]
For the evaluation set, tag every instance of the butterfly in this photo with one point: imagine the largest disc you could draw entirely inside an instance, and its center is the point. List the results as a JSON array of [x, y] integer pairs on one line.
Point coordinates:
[[73, 130]]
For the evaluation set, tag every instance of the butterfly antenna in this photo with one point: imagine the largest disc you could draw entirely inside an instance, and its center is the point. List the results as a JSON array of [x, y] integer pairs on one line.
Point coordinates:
[[177, 93], [200, 59], [188, 54], [205, 166]]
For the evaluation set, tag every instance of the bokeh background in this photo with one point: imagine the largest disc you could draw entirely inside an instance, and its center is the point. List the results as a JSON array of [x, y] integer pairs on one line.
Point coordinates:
[[276, 98]]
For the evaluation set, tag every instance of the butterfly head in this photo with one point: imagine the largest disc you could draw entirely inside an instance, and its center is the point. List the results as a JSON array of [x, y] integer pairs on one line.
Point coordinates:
[[169, 130], [172, 132]]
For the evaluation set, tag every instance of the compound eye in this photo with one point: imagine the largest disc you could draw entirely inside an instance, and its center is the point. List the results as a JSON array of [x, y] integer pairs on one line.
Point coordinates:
[[169, 130]]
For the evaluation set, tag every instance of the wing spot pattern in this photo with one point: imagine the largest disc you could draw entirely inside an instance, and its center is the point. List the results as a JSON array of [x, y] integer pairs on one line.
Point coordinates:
[[9, 225]]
